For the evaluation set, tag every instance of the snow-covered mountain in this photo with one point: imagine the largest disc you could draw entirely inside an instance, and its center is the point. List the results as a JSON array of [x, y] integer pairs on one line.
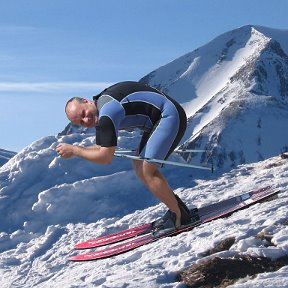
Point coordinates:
[[48, 203], [235, 93], [5, 155]]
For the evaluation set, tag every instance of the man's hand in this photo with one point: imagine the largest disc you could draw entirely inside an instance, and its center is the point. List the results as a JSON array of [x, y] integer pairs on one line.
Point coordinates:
[[65, 150]]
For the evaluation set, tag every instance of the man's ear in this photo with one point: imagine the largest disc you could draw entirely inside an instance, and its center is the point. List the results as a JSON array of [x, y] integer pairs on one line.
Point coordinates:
[[84, 100]]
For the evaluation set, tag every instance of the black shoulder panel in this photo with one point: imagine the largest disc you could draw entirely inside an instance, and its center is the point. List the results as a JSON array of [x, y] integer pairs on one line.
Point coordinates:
[[106, 136]]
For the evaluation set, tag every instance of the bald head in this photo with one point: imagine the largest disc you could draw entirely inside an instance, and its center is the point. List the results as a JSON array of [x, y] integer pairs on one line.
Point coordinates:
[[81, 111]]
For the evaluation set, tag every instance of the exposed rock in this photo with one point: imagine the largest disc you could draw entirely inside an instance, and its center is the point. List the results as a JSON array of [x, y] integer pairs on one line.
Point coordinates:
[[218, 272]]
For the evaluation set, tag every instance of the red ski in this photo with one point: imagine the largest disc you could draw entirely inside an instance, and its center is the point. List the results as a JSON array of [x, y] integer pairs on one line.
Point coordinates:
[[147, 228], [207, 213], [115, 237]]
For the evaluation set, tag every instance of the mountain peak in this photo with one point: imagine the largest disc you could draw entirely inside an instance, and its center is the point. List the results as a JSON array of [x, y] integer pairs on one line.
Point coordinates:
[[227, 87], [5, 156]]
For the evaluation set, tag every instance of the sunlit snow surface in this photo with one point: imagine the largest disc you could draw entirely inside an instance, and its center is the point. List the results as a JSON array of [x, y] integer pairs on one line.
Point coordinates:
[[49, 204]]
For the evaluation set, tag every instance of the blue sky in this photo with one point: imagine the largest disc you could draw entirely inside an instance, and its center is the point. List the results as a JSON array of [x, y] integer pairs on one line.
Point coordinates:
[[51, 50]]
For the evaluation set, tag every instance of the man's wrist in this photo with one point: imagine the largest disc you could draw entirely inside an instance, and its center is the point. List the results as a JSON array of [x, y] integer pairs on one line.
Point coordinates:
[[76, 150]]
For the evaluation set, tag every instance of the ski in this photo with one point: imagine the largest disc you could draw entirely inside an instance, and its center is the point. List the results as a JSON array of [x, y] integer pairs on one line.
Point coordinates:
[[115, 237], [148, 227], [207, 213]]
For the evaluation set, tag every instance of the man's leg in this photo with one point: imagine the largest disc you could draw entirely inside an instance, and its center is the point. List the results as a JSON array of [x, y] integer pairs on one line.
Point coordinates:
[[149, 174]]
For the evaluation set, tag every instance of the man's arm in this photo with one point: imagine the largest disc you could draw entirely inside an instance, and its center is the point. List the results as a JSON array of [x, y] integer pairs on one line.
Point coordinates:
[[95, 154]]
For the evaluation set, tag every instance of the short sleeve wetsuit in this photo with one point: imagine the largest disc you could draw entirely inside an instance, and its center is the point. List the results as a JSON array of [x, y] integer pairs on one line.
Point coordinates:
[[128, 105]]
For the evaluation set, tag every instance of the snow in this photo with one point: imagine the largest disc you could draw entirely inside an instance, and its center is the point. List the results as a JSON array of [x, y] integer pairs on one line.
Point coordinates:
[[50, 204]]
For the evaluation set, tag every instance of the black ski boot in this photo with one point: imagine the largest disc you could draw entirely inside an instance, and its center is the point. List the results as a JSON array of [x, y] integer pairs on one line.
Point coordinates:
[[160, 222], [167, 223], [185, 212]]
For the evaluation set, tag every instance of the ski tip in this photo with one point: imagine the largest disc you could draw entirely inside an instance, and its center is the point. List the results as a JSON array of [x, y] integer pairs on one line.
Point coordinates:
[[80, 246], [78, 258], [88, 245], [73, 258], [270, 197]]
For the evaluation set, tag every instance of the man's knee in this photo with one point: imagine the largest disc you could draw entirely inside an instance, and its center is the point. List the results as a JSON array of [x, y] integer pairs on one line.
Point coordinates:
[[149, 170]]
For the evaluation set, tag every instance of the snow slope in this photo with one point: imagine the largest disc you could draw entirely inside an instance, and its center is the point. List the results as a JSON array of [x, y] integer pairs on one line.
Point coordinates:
[[50, 204]]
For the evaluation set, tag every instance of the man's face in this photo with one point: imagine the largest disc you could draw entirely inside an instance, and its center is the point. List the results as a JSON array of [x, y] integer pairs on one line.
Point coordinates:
[[82, 113]]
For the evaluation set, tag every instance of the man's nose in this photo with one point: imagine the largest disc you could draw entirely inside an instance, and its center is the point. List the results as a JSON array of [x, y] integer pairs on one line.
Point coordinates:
[[86, 121]]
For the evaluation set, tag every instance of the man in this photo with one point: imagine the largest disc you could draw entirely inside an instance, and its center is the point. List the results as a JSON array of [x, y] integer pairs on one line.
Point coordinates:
[[127, 105]]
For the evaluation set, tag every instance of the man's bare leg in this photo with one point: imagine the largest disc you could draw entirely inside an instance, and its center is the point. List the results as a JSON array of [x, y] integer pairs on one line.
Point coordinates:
[[149, 174]]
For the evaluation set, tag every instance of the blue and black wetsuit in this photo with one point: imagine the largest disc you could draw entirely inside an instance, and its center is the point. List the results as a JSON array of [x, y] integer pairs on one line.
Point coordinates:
[[127, 105]]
